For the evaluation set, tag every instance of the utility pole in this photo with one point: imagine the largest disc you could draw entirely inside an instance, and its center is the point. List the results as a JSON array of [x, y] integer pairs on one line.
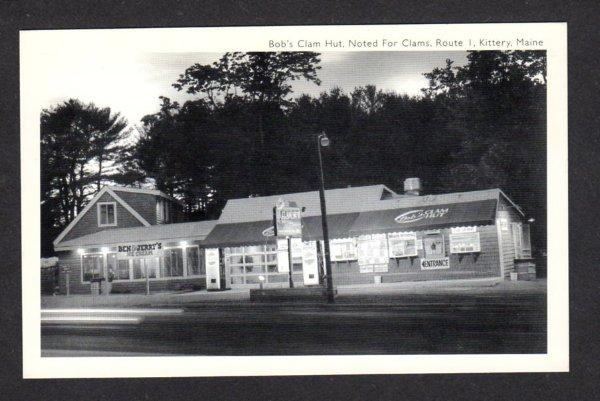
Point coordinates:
[[323, 141]]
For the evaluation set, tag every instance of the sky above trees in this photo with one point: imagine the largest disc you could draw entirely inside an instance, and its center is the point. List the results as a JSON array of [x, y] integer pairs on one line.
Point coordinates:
[[133, 83]]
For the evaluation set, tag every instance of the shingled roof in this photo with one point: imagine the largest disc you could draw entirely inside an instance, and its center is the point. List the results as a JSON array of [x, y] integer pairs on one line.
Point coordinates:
[[340, 200]]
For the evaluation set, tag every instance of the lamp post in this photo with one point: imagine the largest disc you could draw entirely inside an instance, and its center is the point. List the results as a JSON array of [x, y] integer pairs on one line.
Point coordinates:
[[323, 141]]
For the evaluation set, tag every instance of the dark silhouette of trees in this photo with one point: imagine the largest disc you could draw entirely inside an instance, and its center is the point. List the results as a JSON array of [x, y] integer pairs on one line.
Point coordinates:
[[479, 125], [77, 142]]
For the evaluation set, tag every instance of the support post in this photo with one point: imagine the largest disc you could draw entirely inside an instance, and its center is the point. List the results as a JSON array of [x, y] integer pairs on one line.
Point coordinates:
[[290, 262], [147, 278], [67, 278]]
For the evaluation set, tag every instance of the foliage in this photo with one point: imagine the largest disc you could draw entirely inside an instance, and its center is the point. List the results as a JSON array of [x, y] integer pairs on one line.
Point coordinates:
[[479, 125], [77, 142]]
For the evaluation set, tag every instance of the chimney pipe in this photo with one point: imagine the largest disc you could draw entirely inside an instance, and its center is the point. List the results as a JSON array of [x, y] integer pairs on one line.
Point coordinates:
[[412, 186]]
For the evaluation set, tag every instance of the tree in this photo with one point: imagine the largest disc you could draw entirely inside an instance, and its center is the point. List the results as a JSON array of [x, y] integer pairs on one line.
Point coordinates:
[[77, 140], [497, 103]]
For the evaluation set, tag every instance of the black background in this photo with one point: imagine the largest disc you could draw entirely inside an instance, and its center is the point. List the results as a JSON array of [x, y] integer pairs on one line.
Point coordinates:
[[582, 381]]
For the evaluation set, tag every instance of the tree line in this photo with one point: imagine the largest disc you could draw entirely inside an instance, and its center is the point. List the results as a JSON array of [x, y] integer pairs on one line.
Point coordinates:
[[476, 126]]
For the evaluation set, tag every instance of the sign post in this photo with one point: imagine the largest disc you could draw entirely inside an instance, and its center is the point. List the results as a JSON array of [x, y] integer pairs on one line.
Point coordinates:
[[147, 279], [291, 263], [287, 224], [66, 270]]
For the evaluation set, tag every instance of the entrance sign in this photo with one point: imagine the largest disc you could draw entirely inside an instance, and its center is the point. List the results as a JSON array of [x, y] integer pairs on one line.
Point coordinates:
[[288, 221], [435, 264]]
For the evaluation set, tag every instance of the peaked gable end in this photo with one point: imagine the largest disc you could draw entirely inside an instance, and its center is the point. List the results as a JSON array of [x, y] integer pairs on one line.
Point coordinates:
[[88, 220]]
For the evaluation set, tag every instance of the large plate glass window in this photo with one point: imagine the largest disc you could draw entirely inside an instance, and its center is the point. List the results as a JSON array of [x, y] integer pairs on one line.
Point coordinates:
[[247, 263], [173, 263], [195, 261], [92, 266], [402, 244]]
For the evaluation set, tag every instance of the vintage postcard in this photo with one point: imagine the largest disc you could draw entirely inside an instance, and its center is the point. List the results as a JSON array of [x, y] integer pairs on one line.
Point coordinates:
[[294, 200]]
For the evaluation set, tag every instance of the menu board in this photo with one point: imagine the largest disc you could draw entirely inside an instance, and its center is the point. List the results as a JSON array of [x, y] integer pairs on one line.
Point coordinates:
[[372, 252], [402, 244]]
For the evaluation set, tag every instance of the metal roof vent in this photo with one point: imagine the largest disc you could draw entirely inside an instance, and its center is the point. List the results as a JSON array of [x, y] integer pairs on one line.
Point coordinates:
[[412, 186]]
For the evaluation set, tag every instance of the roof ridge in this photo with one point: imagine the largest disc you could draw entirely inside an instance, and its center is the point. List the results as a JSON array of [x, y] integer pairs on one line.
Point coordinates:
[[313, 191]]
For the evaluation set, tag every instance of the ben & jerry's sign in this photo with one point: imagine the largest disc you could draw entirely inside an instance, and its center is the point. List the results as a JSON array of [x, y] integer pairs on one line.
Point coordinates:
[[138, 250]]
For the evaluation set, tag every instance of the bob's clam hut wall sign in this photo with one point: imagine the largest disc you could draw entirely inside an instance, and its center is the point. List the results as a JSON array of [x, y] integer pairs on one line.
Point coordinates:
[[416, 215], [139, 250]]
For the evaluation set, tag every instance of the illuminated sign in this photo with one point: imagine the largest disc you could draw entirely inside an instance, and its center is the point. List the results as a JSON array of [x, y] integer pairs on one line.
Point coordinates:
[[288, 221], [420, 214], [139, 250]]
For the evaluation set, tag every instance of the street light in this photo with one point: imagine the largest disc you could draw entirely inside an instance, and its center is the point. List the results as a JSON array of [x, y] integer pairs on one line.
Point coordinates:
[[323, 141]]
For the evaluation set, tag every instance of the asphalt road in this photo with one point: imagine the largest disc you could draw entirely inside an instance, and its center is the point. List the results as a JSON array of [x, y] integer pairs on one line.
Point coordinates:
[[419, 324]]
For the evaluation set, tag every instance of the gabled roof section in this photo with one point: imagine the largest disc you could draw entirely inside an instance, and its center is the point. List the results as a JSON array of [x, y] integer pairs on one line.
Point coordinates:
[[166, 232], [85, 210], [145, 191], [340, 200]]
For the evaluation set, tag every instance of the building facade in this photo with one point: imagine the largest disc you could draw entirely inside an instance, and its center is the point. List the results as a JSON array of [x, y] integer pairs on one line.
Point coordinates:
[[133, 239]]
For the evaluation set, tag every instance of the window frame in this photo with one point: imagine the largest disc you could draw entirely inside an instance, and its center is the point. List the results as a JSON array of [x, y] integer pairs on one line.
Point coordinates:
[[99, 213], [81, 264], [200, 262]]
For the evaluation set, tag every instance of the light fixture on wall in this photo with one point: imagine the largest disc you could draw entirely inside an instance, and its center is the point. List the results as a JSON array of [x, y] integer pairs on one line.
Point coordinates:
[[80, 251], [183, 244], [105, 250]]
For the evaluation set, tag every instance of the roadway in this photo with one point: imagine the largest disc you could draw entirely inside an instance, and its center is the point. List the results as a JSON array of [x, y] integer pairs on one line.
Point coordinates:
[[457, 322]]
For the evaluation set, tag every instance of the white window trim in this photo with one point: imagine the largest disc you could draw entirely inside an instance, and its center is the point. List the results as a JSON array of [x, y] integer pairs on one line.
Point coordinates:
[[99, 214]]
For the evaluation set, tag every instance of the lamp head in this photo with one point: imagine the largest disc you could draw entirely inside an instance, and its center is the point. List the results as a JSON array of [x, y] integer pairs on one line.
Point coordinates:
[[323, 140]]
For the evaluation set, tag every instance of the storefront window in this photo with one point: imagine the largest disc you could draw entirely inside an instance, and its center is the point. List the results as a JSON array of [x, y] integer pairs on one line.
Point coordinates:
[[247, 263], [195, 263], [140, 266], [122, 270], [173, 263], [91, 266], [434, 246]]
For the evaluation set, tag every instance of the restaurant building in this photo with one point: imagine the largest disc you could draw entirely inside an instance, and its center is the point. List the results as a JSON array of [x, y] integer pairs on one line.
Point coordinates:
[[134, 238]]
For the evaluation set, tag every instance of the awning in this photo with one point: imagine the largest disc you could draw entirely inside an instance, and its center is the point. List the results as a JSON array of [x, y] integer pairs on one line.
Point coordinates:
[[235, 234], [261, 232], [338, 226], [425, 217]]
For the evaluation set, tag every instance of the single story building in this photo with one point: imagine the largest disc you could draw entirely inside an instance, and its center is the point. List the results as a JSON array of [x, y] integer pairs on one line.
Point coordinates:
[[134, 239]]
